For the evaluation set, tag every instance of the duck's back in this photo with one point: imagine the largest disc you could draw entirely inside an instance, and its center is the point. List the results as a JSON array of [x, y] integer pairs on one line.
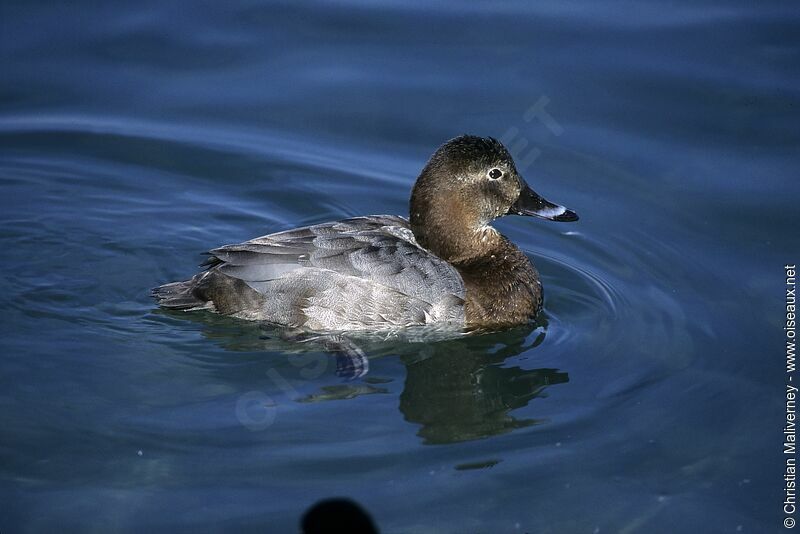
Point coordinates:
[[359, 273]]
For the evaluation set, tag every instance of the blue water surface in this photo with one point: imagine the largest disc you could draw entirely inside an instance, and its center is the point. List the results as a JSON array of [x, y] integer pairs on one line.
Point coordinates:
[[647, 398]]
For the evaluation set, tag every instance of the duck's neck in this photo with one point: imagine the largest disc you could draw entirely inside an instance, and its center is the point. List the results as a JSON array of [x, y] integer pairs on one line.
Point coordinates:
[[453, 230]]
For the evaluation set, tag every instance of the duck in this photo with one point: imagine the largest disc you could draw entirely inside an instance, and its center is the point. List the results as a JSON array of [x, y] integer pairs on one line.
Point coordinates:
[[444, 265]]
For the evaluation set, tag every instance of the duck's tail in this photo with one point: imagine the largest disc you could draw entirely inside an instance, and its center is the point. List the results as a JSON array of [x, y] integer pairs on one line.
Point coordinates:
[[180, 295]]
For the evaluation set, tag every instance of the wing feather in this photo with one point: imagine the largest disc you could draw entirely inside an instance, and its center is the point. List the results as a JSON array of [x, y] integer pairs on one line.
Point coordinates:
[[377, 249]]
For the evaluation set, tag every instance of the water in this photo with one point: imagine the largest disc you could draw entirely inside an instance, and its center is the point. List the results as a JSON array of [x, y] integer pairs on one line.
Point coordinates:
[[649, 396]]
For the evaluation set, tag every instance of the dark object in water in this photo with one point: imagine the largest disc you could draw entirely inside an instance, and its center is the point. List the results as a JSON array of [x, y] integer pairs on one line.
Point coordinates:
[[337, 515]]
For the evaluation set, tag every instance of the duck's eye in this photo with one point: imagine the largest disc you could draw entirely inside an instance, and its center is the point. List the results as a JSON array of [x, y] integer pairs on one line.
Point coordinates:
[[495, 174]]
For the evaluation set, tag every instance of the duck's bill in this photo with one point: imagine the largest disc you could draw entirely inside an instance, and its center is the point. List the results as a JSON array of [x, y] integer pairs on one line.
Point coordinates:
[[532, 204]]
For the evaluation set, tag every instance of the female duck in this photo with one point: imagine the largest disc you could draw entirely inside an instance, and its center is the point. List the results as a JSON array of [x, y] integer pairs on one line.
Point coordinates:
[[445, 265]]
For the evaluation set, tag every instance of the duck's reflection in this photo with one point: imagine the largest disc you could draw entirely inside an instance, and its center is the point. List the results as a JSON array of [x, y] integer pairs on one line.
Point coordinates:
[[456, 389], [460, 390]]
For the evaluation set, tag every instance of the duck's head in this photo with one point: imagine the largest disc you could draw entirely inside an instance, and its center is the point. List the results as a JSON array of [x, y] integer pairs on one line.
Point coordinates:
[[468, 182]]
